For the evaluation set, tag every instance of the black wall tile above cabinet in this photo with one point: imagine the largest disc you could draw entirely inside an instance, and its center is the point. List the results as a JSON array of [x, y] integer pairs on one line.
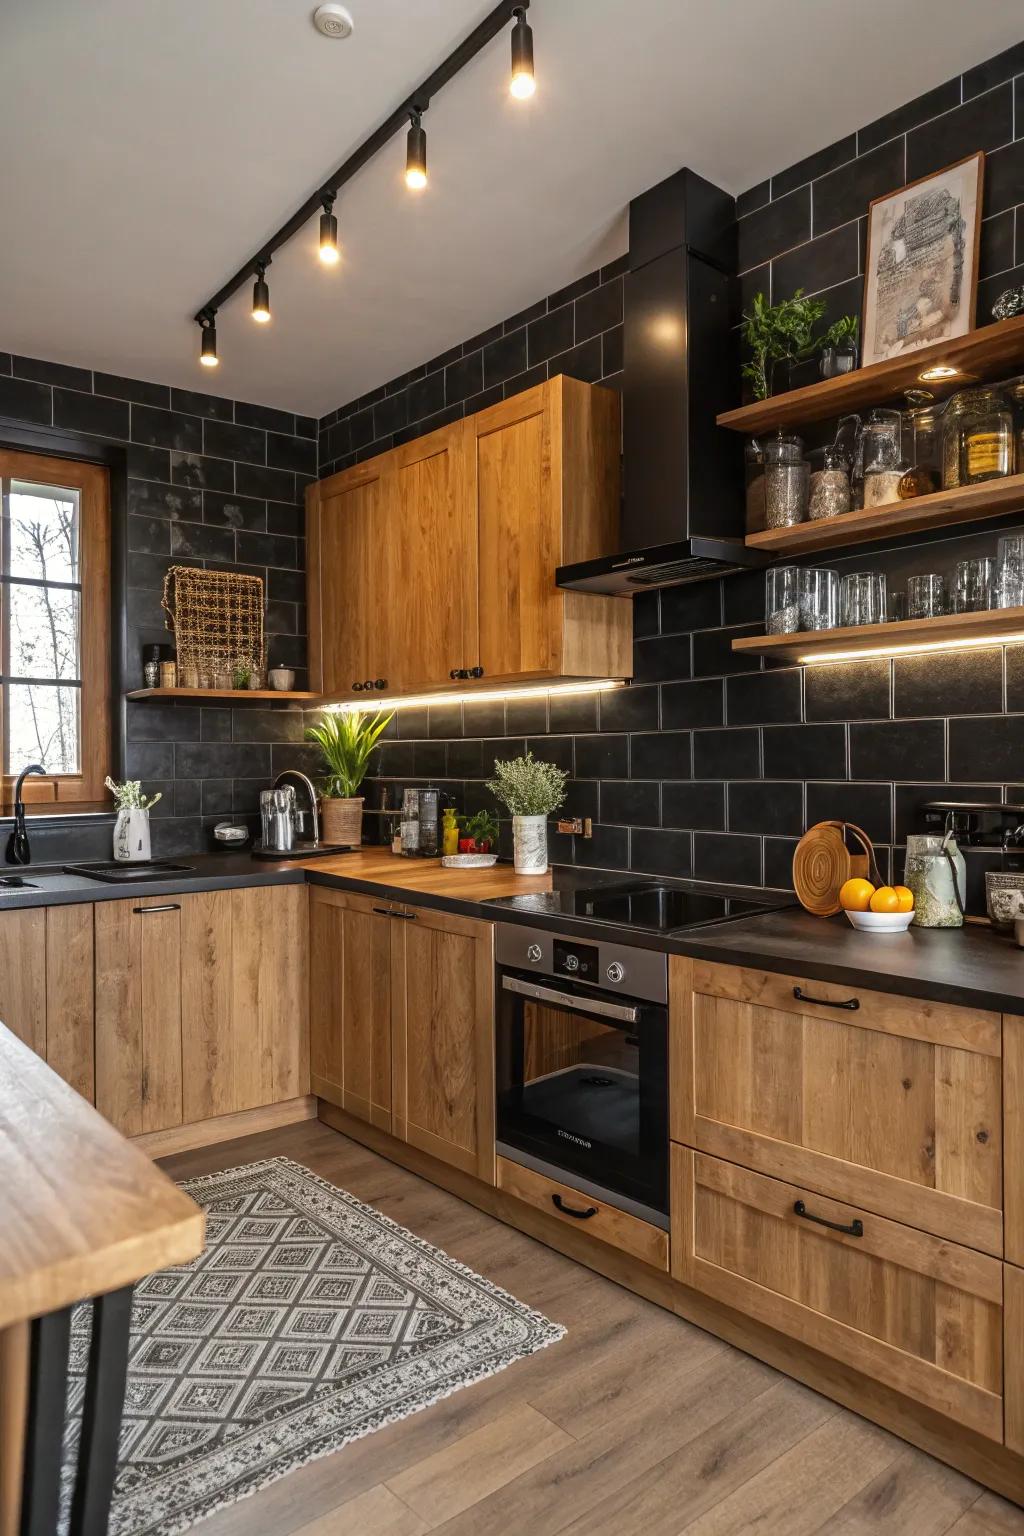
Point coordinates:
[[846, 193], [660, 755], [985, 749], [629, 709], [726, 754], [948, 683], [696, 805], [868, 806], [775, 227], [910, 751], [764, 698], [776, 808], [701, 702], [821, 263], [985, 122], [630, 802], [848, 690], [602, 757], [654, 852], [804, 751], [729, 857]]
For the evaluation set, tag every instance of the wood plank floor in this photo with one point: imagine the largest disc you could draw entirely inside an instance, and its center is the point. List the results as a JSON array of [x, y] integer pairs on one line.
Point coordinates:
[[635, 1424]]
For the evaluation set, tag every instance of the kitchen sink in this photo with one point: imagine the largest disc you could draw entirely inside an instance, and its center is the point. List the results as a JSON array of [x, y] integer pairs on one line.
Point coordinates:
[[124, 874], [16, 883]]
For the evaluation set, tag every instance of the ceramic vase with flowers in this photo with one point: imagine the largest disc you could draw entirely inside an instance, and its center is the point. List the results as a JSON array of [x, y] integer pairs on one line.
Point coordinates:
[[530, 789], [131, 825]]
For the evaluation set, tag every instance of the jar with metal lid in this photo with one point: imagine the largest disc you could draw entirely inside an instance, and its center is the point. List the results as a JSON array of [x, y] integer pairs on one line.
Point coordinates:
[[985, 437], [952, 412], [881, 438], [786, 474]]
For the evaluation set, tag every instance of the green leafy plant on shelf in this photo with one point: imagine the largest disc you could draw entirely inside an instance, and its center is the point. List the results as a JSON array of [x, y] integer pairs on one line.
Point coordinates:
[[346, 739], [841, 333], [528, 786], [778, 333]]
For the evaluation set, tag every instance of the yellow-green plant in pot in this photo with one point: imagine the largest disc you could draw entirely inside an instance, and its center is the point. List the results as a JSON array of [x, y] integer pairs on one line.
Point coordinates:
[[346, 740]]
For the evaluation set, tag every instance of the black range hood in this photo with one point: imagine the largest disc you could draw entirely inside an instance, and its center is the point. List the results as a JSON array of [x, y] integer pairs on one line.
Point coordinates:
[[683, 509]]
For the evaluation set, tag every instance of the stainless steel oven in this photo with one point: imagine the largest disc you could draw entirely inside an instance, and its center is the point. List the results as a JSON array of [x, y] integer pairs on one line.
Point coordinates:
[[582, 1065]]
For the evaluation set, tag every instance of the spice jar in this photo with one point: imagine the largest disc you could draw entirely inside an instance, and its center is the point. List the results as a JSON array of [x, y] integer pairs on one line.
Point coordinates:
[[168, 667], [830, 486], [785, 481], [985, 437], [782, 600], [753, 480], [151, 665], [952, 413], [883, 471]]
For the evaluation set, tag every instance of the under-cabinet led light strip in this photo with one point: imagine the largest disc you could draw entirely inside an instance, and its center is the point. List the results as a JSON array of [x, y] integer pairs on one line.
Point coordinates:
[[476, 696], [912, 648]]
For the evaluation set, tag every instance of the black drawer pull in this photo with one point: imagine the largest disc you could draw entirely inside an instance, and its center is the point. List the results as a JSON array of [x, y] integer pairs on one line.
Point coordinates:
[[570, 1210], [170, 906], [855, 1229], [851, 1005], [406, 917]]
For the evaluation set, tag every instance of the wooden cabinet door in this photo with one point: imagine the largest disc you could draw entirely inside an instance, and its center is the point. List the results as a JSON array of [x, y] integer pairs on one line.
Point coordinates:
[[1013, 1362], [916, 1312], [348, 578], [442, 970], [1013, 1146], [138, 1014], [515, 475], [429, 620], [887, 1102], [243, 999], [46, 987], [350, 1003]]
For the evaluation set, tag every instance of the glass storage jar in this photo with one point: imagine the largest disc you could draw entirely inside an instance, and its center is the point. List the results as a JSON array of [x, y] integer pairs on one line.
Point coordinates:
[[921, 445], [829, 485], [936, 873], [1014, 392], [881, 439], [952, 413], [985, 437], [782, 600], [785, 481]]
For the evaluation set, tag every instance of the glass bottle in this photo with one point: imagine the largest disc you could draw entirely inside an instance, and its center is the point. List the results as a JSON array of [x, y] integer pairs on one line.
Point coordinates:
[[985, 437], [151, 665], [786, 475], [881, 440]]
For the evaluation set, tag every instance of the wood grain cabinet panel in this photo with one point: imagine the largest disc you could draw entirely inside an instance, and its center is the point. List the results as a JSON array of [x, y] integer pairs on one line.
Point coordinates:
[[1013, 1147], [1013, 1346], [46, 987], [348, 541], [605, 1222], [890, 1103], [920, 1314], [138, 1014], [350, 1004], [23, 975], [442, 990]]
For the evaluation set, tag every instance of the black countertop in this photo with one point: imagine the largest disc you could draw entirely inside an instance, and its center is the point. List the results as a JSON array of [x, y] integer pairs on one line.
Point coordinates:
[[972, 966]]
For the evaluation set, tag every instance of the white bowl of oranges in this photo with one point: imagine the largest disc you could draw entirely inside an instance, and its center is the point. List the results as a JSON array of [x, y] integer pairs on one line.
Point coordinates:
[[877, 909]]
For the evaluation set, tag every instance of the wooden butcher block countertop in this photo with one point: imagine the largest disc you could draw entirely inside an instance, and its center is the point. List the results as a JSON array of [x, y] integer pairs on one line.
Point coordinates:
[[377, 869]]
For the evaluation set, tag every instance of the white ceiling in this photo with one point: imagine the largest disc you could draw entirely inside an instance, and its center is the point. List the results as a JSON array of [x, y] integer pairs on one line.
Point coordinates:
[[149, 147]]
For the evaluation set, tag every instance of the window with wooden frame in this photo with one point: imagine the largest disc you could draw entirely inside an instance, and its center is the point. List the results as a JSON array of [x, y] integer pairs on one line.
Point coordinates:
[[55, 705]]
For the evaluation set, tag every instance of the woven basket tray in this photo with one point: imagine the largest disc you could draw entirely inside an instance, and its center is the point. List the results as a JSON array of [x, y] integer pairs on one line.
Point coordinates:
[[823, 863], [216, 618]]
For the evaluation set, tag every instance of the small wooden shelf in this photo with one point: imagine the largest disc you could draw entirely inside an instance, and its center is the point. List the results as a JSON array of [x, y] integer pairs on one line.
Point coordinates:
[[966, 504], [236, 695], [993, 627], [990, 352]]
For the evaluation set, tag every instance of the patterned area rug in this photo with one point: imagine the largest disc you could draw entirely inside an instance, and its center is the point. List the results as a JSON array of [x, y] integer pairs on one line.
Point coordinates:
[[308, 1321]]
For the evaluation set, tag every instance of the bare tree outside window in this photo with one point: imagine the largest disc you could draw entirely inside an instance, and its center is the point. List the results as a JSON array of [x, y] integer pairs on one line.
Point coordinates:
[[40, 606]]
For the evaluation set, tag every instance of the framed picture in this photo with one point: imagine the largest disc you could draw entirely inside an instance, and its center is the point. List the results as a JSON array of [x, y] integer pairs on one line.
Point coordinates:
[[921, 269]]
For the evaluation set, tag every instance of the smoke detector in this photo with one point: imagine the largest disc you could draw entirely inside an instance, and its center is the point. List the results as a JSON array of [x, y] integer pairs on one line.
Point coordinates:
[[333, 20]]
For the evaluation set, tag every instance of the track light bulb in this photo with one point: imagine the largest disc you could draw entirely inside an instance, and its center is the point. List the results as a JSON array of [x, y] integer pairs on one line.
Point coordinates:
[[329, 253], [208, 351], [416, 155], [261, 296], [522, 84]]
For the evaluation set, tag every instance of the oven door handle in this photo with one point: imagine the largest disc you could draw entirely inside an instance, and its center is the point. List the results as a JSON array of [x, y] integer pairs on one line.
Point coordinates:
[[620, 1011]]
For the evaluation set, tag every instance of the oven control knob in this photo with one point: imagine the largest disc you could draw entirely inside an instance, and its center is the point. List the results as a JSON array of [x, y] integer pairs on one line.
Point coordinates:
[[615, 971], [534, 953], [572, 963]]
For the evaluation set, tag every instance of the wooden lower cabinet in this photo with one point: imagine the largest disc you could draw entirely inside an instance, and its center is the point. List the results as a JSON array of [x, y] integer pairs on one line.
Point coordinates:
[[1013, 1355], [138, 1013], [921, 1315], [350, 1003], [586, 1213], [46, 987], [401, 1023]]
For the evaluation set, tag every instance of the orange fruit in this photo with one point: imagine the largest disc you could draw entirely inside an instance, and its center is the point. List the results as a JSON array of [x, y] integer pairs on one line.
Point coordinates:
[[855, 895], [885, 899], [906, 898]]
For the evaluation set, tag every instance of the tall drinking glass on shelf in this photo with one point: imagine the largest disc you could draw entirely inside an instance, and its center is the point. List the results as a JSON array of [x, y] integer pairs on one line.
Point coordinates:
[[819, 599], [974, 583], [926, 596], [862, 599], [1009, 584], [782, 600]]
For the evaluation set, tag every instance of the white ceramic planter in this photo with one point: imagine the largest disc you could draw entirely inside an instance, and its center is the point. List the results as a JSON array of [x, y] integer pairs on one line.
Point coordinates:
[[530, 844], [131, 837]]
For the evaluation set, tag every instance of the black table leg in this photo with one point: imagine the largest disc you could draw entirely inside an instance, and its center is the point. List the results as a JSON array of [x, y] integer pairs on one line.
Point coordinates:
[[101, 1413], [44, 1427]]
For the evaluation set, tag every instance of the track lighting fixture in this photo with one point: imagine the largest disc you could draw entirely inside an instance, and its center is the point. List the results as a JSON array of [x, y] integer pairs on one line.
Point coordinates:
[[522, 83], [208, 350], [261, 295], [416, 153], [329, 253]]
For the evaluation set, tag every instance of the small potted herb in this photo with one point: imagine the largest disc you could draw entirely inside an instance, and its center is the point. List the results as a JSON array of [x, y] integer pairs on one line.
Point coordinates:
[[839, 347], [477, 833], [531, 790], [131, 825], [346, 739], [778, 334]]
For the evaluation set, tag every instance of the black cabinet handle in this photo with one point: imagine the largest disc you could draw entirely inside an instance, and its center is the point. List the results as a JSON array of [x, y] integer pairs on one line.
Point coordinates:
[[368, 685], [405, 917], [170, 906], [851, 1005], [384, 911], [454, 674], [570, 1210], [357, 687], [475, 672], [381, 683], [855, 1229]]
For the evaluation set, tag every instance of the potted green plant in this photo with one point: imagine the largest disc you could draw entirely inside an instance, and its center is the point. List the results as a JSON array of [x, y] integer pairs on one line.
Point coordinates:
[[530, 789], [131, 825], [778, 334], [839, 347], [346, 739], [478, 833]]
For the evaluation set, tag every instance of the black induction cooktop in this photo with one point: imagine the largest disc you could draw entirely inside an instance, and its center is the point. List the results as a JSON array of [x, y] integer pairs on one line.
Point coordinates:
[[644, 904]]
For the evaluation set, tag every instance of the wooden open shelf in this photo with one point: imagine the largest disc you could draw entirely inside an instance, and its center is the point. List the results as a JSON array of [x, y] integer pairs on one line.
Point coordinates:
[[992, 351], [236, 695], [966, 504], [992, 627]]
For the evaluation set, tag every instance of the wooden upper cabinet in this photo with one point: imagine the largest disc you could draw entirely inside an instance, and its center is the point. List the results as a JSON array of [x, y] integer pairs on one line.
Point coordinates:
[[440, 555]]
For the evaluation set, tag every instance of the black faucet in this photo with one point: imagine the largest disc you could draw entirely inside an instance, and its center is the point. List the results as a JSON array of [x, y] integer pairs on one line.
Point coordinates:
[[17, 843]]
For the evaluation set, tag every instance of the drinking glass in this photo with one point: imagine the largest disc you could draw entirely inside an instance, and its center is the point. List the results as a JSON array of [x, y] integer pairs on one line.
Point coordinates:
[[782, 599], [896, 607], [926, 596], [975, 579], [862, 598], [819, 599], [1009, 584]]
